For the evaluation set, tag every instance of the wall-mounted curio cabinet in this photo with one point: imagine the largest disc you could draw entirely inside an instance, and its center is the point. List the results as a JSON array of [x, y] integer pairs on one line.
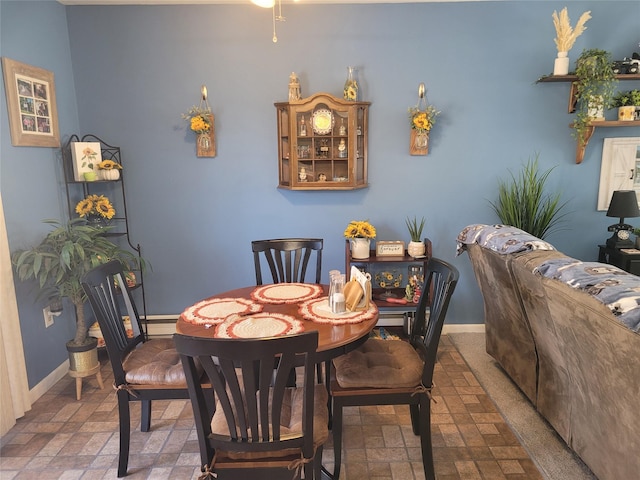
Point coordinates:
[[322, 143]]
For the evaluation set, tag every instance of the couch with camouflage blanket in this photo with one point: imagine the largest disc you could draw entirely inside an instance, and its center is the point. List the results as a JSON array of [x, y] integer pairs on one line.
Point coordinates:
[[567, 333]]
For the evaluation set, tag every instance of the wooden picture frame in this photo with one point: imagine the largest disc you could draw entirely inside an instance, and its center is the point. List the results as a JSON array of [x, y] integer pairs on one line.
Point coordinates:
[[393, 248], [31, 105]]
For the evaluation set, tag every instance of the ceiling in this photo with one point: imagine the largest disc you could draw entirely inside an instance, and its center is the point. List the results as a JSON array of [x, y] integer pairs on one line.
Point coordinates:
[[201, 2]]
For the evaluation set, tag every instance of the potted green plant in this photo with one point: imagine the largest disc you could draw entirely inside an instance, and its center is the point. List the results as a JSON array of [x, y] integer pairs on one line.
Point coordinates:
[[59, 263], [416, 247], [523, 202], [636, 232], [627, 103], [594, 87]]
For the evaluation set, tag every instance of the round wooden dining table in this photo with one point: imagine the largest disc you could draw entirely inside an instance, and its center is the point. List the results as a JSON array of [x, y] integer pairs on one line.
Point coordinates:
[[335, 337]]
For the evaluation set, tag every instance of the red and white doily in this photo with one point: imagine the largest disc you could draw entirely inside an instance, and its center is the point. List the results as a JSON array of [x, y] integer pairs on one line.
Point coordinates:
[[259, 325], [318, 310], [216, 310], [286, 292]]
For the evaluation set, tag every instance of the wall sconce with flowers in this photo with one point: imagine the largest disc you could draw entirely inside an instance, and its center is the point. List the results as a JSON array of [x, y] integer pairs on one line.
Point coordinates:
[[422, 117], [201, 122]]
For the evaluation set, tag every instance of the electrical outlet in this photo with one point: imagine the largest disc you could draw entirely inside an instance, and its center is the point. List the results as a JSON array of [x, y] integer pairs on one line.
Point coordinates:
[[48, 317]]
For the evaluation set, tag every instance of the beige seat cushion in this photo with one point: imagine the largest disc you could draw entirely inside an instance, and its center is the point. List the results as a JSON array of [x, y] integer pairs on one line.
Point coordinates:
[[154, 362], [380, 364], [290, 422]]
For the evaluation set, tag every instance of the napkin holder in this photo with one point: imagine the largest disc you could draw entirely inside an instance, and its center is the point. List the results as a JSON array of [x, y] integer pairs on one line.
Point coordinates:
[[357, 291]]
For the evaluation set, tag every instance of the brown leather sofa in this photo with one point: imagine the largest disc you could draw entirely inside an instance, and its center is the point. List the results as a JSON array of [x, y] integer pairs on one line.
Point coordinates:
[[571, 354]]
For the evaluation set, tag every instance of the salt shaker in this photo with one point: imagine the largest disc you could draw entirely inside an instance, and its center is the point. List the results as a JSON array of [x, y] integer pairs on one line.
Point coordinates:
[[338, 304], [332, 286]]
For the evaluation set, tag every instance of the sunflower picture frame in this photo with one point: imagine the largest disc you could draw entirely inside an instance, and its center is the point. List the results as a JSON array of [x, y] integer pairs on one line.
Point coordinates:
[[86, 157], [31, 105]]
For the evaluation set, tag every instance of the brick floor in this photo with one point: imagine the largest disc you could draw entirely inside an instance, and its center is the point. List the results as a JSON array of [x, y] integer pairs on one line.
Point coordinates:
[[62, 438]]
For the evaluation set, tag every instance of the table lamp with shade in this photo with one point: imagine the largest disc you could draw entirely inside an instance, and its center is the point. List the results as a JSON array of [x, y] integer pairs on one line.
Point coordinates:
[[624, 204]]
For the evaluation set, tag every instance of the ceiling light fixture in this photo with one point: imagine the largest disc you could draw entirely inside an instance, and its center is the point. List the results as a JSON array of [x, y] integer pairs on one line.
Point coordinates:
[[278, 18], [264, 3], [275, 18]]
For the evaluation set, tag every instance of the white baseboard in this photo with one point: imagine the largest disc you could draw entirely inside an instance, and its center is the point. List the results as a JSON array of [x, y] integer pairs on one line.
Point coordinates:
[[49, 381], [463, 328]]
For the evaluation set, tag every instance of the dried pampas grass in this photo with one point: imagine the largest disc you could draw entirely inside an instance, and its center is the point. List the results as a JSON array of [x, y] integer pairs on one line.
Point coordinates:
[[566, 36]]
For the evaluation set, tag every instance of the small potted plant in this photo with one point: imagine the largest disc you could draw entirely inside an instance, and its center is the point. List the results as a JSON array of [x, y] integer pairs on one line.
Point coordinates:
[[360, 233], [58, 265], [636, 232], [628, 103], [595, 88], [416, 247]]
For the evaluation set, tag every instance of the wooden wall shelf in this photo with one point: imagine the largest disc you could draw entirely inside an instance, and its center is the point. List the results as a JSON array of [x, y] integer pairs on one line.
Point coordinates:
[[581, 146]]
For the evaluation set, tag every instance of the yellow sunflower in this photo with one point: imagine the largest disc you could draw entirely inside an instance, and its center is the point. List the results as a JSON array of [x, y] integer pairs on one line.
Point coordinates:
[[109, 165], [95, 205], [360, 229], [423, 120], [84, 207], [199, 124], [105, 209]]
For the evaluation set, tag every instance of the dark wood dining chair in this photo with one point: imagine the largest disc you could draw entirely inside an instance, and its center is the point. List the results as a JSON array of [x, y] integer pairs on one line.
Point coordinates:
[[143, 370], [287, 258], [259, 427], [394, 372]]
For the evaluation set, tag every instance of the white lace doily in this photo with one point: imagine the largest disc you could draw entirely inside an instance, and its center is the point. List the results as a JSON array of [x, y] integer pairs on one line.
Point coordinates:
[[286, 292], [318, 310], [216, 310], [258, 325]]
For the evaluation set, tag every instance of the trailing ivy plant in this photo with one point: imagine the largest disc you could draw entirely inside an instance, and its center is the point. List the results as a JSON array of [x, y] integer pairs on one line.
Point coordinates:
[[523, 202], [595, 87]]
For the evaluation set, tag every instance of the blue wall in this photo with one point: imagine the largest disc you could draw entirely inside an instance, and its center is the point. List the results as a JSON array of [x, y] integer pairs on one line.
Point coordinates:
[[137, 68], [31, 181]]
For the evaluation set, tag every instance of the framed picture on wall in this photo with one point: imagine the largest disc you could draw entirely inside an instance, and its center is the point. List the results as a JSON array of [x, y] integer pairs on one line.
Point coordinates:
[[31, 104], [620, 169]]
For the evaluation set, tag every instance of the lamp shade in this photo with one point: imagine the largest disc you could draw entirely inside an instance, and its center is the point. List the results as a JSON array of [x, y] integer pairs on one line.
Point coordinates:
[[624, 204], [264, 3]]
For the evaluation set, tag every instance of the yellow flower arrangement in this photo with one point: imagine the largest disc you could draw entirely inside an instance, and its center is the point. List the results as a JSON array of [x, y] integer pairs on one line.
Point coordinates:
[[95, 205], [109, 165], [423, 120], [360, 229], [199, 120]]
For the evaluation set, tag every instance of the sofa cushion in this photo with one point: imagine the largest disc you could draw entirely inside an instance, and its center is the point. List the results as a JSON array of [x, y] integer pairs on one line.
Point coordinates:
[[380, 364], [617, 289], [501, 239]]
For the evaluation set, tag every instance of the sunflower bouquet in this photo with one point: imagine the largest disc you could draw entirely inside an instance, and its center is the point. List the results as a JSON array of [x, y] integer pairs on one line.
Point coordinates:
[[199, 119], [97, 206], [423, 120], [360, 229]]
